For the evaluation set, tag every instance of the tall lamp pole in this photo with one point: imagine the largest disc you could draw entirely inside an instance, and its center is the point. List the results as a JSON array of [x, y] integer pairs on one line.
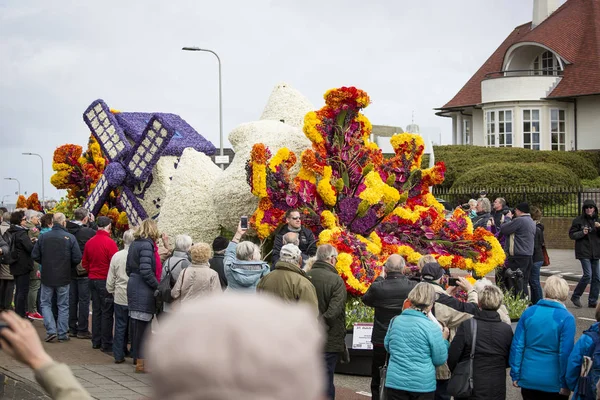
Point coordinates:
[[18, 183], [5, 196], [43, 191], [193, 48]]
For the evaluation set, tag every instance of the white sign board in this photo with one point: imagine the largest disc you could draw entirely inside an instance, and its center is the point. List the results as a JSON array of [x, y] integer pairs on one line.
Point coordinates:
[[221, 159], [361, 338]]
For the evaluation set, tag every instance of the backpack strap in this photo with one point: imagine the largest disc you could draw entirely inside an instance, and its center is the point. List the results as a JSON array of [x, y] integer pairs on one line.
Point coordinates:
[[595, 341]]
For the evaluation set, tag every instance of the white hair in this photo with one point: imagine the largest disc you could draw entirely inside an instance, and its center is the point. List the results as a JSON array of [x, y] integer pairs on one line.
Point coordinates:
[[247, 251], [183, 243], [59, 218], [325, 252], [128, 237], [482, 283], [29, 214]]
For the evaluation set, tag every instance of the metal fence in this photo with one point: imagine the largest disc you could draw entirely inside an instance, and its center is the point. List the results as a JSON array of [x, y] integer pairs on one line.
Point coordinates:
[[553, 201]]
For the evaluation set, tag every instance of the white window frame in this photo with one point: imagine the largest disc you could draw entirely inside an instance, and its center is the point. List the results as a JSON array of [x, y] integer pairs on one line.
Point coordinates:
[[558, 146], [467, 131], [531, 143], [496, 132], [551, 70]]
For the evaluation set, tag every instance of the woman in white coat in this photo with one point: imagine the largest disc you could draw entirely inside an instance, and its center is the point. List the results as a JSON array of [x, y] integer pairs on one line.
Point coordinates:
[[198, 279]]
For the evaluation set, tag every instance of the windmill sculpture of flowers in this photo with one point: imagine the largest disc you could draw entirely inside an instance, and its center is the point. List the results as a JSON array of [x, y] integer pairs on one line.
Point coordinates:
[[366, 206]]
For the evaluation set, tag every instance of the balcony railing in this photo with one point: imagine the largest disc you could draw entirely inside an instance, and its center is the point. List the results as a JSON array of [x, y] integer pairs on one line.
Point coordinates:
[[523, 72]]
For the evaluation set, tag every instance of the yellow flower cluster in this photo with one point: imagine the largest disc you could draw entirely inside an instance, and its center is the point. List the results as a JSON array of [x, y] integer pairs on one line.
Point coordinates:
[[496, 257], [326, 235], [310, 127], [378, 190], [373, 242], [430, 200], [328, 219], [283, 154], [263, 230], [59, 178], [367, 126], [306, 175], [344, 261], [325, 189], [411, 256], [409, 215], [259, 180], [401, 139]]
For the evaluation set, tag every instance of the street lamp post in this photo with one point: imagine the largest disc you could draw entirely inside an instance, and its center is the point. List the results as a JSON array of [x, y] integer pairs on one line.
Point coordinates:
[[42, 160], [220, 97], [3, 197], [18, 183]]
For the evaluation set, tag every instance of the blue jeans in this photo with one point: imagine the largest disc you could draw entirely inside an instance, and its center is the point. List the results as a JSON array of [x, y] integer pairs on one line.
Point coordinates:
[[79, 305], [591, 269], [534, 283], [330, 362], [121, 332], [62, 300]]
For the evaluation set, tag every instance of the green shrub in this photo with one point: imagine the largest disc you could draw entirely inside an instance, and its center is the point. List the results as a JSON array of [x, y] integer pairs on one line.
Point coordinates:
[[516, 305], [591, 183], [592, 155], [460, 159], [519, 175]]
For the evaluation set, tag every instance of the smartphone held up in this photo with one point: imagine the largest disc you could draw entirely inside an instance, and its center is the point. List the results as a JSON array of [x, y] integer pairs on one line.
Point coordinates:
[[244, 222]]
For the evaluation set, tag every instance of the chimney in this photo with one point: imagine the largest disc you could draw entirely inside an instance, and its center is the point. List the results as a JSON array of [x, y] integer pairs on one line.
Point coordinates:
[[542, 10]]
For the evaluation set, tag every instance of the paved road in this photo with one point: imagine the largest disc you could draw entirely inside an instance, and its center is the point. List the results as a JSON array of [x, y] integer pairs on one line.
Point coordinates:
[[105, 380]]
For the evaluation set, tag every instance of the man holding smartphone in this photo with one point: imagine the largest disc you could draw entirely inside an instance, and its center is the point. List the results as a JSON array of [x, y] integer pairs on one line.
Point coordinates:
[[585, 231]]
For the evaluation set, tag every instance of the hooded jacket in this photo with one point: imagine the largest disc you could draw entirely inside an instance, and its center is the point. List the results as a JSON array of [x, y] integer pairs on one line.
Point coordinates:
[[24, 246], [290, 283], [242, 275], [584, 347], [586, 246]]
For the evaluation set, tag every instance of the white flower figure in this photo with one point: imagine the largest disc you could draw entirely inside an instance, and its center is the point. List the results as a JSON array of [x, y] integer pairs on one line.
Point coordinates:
[[202, 197]]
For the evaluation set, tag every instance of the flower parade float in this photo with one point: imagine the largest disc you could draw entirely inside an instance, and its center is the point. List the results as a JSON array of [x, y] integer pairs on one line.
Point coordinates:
[[366, 206], [128, 167]]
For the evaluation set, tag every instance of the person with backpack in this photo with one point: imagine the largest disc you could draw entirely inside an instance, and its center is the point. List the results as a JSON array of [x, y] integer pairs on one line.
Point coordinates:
[[116, 284], [179, 261], [20, 261], [588, 345]]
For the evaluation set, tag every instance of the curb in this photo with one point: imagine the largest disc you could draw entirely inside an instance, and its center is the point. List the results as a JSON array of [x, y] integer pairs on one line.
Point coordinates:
[[565, 277]]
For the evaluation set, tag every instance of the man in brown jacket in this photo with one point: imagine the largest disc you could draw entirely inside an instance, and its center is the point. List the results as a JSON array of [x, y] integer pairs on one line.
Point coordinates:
[[288, 281]]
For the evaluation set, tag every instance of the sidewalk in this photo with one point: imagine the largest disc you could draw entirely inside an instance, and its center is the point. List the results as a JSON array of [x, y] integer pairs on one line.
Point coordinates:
[[563, 262]]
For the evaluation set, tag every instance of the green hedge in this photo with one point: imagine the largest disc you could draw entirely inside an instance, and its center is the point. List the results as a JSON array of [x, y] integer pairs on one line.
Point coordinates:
[[592, 155], [461, 159], [520, 175]]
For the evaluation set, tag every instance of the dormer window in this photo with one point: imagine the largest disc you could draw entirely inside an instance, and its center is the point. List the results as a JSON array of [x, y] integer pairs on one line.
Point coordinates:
[[546, 64]]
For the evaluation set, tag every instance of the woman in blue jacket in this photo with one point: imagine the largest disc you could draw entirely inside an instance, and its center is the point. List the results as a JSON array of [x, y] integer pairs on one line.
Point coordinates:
[[585, 346], [542, 344], [416, 345]]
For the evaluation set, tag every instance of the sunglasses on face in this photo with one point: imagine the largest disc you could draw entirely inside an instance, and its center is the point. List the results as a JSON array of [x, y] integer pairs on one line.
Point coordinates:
[[589, 207], [295, 218]]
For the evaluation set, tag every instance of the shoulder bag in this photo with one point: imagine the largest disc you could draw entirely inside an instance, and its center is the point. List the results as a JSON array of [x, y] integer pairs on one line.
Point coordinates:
[[166, 284], [383, 372], [461, 381]]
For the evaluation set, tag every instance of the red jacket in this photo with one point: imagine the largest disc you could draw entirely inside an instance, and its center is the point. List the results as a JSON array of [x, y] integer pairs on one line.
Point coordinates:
[[97, 254]]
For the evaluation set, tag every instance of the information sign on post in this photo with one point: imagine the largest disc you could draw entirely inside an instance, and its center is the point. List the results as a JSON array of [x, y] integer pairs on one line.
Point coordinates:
[[221, 160]]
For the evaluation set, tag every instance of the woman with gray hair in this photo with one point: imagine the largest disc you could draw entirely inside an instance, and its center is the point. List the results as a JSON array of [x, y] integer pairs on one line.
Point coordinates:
[[416, 345], [179, 261], [492, 346], [243, 266], [542, 344], [483, 217]]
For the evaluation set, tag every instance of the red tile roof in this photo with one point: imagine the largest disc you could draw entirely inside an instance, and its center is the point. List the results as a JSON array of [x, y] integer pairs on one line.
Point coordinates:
[[572, 31]]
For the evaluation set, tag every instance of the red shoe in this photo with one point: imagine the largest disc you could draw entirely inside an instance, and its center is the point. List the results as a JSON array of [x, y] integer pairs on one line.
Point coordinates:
[[35, 316]]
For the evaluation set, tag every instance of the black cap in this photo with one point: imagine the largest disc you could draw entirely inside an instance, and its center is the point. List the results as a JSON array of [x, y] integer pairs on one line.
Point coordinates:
[[432, 271], [523, 207], [220, 243], [103, 222]]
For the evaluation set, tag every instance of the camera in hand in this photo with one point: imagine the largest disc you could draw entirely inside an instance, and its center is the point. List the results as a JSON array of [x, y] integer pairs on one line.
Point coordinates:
[[453, 281], [244, 222]]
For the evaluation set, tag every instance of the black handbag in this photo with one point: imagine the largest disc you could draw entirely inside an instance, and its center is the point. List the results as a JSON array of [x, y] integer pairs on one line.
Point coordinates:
[[383, 372], [461, 381]]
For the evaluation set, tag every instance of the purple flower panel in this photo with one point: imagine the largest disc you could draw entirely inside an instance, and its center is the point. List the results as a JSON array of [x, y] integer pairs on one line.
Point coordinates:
[[134, 124]]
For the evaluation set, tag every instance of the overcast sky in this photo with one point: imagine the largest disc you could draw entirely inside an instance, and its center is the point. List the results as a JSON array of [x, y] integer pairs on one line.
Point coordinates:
[[56, 57]]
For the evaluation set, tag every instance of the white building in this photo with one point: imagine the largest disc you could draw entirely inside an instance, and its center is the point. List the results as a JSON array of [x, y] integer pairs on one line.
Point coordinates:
[[541, 88]]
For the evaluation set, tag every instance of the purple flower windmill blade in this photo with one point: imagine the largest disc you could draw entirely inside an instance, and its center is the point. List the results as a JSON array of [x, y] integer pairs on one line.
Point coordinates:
[[106, 130], [134, 210], [95, 200], [148, 149]]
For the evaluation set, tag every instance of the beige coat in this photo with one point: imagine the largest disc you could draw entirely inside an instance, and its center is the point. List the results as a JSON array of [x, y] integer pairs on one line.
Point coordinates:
[[58, 381], [195, 281]]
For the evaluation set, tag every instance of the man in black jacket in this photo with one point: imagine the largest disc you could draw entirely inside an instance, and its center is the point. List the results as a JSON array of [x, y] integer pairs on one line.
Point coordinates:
[[585, 231], [57, 251], [386, 295], [216, 262], [79, 289], [307, 242]]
